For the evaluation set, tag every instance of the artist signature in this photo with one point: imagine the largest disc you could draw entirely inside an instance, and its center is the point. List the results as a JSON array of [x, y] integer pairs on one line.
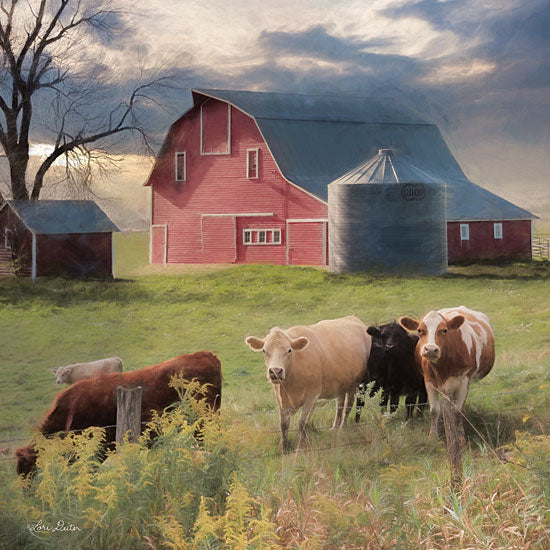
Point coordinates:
[[60, 526]]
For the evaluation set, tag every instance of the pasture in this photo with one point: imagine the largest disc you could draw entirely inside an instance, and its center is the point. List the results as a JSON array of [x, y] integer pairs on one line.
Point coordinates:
[[380, 484]]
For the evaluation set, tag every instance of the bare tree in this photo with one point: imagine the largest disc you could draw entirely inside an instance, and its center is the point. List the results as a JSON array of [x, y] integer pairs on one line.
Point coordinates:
[[41, 58]]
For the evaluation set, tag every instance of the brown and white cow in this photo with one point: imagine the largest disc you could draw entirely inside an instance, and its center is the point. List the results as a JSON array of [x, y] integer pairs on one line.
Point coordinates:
[[456, 345], [307, 363], [80, 371], [93, 402]]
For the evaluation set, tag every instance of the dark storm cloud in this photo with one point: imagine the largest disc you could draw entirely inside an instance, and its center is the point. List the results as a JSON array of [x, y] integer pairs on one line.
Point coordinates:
[[437, 14], [317, 42]]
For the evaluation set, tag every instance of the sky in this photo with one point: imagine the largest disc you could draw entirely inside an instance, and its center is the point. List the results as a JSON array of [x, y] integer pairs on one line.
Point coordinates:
[[479, 69]]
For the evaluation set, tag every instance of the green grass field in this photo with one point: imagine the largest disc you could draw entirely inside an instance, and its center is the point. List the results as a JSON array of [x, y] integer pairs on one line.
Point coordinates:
[[149, 314]]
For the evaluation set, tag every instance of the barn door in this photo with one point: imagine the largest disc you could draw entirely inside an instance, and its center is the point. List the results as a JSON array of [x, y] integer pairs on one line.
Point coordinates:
[[158, 244], [307, 242], [219, 240]]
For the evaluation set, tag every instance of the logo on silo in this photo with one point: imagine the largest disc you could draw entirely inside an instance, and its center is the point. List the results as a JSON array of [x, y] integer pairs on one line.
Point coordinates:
[[413, 192]]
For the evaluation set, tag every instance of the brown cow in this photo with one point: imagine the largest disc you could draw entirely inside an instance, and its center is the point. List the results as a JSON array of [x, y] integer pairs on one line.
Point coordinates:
[[456, 345], [93, 402], [307, 363]]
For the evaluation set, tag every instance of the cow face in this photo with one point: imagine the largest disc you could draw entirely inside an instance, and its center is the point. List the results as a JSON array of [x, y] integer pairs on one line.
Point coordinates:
[[60, 375], [393, 338], [433, 332], [278, 349]]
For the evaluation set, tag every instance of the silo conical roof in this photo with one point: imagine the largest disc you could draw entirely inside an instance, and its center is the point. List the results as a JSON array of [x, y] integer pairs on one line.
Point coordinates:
[[386, 167]]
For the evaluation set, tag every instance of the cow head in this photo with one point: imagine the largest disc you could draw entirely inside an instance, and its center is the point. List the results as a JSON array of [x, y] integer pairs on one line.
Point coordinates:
[[433, 332], [392, 337], [26, 460], [278, 348], [60, 375]]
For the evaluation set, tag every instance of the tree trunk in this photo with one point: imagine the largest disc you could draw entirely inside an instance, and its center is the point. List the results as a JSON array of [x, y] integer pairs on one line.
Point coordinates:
[[18, 162]]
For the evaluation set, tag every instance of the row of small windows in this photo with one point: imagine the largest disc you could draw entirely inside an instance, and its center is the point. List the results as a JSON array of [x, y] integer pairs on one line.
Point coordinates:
[[180, 167], [261, 236], [465, 231]]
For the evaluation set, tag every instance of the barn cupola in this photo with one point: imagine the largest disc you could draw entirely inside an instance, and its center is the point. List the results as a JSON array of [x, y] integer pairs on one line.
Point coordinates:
[[386, 167]]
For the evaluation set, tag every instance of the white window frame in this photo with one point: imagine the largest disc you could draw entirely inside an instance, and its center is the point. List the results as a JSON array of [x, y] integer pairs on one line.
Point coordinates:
[[257, 153], [464, 232], [177, 155], [250, 232], [497, 230]]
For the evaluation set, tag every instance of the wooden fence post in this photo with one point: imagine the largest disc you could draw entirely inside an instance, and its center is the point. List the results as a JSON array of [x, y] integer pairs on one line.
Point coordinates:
[[453, 441], [128, 414]]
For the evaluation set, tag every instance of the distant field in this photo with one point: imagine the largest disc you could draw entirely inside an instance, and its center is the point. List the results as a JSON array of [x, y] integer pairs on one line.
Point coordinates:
[[149, 314]]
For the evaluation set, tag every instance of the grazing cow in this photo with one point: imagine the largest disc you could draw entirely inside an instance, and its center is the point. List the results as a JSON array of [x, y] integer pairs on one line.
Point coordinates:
[[456, 345], [80, 371], [93, 402], [392, 367], [307, 363]]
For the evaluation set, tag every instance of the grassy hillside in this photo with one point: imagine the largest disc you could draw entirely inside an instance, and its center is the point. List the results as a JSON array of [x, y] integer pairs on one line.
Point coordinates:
[[383, 477]]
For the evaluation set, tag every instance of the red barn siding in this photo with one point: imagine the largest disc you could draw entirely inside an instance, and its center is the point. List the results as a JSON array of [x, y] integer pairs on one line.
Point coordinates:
[[215, 128], [217, 184], [88, 254], [218, 239], [307, 243], [515, 242]]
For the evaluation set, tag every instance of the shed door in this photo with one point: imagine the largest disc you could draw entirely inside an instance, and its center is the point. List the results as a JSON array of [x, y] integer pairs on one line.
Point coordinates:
[[158, 244], [218, 239], [307, 243]]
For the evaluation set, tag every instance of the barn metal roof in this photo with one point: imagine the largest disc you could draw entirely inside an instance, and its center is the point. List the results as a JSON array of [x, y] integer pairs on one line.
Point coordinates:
[[317, 139], [51, 217]]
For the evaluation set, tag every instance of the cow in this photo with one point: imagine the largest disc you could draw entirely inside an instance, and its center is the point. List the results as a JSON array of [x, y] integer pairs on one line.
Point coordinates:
[[392, 367], [307, 363], [80, 371], [93, 402], [456, 345]]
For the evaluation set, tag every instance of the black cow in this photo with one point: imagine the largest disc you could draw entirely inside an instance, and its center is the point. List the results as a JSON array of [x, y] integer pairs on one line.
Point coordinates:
[[392, 367]]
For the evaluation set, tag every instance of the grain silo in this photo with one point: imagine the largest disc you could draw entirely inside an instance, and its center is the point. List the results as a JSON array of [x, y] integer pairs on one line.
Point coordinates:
[[387, 216]]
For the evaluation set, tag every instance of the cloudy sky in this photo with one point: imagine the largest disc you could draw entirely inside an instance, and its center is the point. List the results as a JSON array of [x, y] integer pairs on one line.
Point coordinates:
[[480, 69]]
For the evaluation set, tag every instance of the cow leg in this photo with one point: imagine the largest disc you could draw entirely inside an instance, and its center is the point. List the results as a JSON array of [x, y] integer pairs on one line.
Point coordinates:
[[359, 402], [284, 417], [459, 400], [435, 408], [307, 409], [348, 403], [410, 402], [385, 399], [394, 401], [340, 405]]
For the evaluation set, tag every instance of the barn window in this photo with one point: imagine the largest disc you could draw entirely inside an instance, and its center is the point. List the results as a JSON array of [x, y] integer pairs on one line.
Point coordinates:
[[252, 163], [497, 230], [464, 232], [181, 166], [261, 236]]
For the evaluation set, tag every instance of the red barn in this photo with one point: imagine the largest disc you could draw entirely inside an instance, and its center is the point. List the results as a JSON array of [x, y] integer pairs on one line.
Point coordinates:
[[243, 177], [55, 237]]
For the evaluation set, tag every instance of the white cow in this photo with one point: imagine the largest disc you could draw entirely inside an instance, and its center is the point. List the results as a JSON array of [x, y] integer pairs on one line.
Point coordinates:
[[80, 371], [307, 363]]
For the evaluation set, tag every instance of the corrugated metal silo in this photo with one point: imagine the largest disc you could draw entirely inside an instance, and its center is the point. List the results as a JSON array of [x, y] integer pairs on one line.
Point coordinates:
[[387, 216]]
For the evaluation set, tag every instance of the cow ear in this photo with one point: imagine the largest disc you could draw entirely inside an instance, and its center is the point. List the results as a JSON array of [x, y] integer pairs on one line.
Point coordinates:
[[256, 344], [299, 343], [374, 331], [455, 322], [408, 323], [54, 371]]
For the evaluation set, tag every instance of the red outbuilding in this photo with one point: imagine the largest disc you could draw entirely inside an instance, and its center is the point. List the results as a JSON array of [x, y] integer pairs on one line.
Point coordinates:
[[52, 237], [243, 177]]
